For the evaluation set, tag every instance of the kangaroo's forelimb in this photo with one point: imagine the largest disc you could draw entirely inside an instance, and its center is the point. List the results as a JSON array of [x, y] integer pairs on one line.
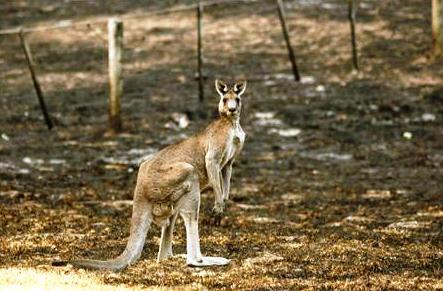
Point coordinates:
[[215, 179], [226, 174]]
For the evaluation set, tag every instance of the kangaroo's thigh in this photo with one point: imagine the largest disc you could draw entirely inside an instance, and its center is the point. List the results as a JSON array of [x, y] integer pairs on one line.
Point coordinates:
[[190, 201], [167, 188], [164, 182]]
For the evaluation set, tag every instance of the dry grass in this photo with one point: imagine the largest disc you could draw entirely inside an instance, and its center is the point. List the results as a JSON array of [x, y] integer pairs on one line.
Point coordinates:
[[38, 279]]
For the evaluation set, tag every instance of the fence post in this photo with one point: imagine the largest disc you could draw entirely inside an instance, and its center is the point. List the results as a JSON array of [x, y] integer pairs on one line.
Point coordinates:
[[281, 15], [437, 27], [351, 17], [201, 93], [115, 43], [38, 90]]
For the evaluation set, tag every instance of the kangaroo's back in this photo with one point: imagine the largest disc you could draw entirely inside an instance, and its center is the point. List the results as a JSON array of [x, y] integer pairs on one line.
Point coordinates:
[[194, 149]]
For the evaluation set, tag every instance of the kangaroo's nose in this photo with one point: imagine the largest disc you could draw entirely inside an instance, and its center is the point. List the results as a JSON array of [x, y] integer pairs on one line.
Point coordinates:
[[231, 109]]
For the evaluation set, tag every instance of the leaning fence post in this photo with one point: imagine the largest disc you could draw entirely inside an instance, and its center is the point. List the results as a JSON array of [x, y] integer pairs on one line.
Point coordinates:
[[115, 43], [201, 93], [437, 27], [281, 15], [38, 90], [351, 17]]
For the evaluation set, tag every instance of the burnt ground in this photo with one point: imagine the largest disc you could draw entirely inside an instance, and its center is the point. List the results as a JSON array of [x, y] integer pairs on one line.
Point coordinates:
[[340, 181]]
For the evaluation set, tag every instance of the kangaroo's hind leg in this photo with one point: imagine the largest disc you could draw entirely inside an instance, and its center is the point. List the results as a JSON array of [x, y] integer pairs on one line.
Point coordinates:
[[189, 210], [173, 186]]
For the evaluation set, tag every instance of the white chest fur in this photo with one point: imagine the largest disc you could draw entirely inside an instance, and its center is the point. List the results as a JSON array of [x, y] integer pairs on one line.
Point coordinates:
[[238, 136], [234, 143]]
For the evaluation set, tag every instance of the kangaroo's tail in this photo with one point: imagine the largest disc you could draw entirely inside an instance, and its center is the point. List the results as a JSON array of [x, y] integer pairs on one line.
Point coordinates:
[[140, 224]]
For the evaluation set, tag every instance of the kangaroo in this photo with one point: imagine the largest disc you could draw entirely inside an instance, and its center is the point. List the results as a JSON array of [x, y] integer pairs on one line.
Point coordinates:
[[169, 184]]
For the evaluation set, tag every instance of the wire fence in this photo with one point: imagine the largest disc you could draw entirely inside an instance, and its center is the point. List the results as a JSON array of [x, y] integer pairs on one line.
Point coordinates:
[[64, 24], [115, 42]]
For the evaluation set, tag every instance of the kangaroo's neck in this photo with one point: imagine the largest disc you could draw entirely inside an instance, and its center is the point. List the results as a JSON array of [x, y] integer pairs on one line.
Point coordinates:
[[220, 127], [234, 121]]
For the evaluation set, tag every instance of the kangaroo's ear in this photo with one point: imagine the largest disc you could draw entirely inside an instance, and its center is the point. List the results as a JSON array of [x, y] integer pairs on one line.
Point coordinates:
[[240, 87], [221, 87]]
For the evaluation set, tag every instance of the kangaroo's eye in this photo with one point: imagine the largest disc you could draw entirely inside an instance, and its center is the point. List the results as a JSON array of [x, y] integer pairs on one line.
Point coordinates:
[[225, 100], [237, 99]]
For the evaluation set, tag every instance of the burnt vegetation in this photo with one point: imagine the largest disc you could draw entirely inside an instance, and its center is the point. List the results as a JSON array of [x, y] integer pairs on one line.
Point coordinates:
[[339, 184]]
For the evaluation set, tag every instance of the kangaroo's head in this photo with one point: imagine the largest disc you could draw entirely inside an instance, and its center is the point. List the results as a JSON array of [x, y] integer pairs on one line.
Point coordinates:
[[230, 98]]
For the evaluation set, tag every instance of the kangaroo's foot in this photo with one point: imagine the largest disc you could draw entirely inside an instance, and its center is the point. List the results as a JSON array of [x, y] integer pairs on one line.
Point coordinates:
[[208, 261]]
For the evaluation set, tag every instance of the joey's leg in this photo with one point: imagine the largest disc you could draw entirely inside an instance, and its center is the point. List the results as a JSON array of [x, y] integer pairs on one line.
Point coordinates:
[[189, 212], [165, 250]]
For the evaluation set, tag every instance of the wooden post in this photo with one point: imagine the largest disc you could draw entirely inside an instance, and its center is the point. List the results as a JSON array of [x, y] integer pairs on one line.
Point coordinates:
[[437, 23], [115, 42], [281, 15], [38, 90], [351, 17], [201, 93]]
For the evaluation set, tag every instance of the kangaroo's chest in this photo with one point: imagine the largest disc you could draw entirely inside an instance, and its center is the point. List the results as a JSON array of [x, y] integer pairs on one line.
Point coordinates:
[[234, 145]]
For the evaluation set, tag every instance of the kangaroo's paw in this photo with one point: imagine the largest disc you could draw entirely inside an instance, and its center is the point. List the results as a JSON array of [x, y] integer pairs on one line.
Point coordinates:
[[208, 261]]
